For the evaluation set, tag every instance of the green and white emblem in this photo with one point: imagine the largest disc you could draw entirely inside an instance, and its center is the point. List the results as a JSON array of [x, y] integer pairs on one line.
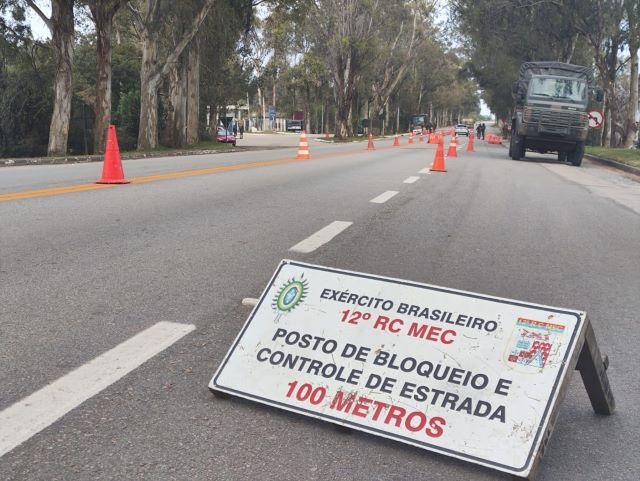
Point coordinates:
[[291, 294]]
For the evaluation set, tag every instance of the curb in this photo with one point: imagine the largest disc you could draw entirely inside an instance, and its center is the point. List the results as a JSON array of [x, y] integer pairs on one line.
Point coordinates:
[[611, 163], [49, 160], [83, 159], [614, 163]]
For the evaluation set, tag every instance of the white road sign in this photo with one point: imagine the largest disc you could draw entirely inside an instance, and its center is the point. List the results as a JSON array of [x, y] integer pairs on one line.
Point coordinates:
[[595, 119], [462, 374]]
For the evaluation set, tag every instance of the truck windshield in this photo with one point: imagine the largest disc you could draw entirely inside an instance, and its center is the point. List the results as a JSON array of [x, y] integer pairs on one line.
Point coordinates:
[[574, 90]]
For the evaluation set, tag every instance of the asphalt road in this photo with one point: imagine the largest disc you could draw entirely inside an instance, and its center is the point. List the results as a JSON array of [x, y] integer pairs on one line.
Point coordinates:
[[84, 272]]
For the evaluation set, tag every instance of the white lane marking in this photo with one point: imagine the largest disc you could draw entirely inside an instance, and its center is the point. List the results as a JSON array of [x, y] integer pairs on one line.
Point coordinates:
[[37, 411], [410, 180], [382, 198], [425, 171], [321, 237], [249, 301]]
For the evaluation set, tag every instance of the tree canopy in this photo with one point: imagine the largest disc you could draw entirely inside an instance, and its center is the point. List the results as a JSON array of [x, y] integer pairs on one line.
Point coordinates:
[[166, 74], [499, 35]]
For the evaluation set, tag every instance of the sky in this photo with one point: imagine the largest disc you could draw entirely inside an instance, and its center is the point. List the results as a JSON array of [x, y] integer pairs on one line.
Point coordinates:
[[38, 28]]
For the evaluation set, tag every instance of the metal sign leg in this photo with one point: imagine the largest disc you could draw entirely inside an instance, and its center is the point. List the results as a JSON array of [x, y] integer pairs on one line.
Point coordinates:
[[593, 369]]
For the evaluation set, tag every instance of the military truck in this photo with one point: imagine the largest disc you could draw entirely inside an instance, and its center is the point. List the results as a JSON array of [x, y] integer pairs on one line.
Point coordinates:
[[420, 122], [550, 115]]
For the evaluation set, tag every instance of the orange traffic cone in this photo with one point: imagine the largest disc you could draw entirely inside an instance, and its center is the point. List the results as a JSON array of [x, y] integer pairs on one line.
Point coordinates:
[[453, 148], [470, 144], [411, 137], [112, 167], [438, 161], [421, 138], [303, 147], [396, 141], [370, 146]]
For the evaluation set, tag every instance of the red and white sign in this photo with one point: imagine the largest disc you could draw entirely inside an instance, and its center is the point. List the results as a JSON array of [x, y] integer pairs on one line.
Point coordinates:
[[595, 119], [458, 373]]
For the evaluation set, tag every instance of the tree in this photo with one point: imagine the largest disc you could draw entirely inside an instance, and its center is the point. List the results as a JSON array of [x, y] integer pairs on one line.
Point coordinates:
[[600, 23], [62, 31], [343, 29], [155, 64], [399, 42], [102, 12], [26, 70], [498, 36], [632, 10]]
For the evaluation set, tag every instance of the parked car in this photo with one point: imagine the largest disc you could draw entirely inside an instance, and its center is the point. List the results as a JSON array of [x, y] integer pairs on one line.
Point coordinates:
[[462, 129], [226, 136]]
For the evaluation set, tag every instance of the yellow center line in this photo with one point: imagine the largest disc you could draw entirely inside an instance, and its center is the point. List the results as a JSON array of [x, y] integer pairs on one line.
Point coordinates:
[[210, 170], [171, 175], [51, 191]]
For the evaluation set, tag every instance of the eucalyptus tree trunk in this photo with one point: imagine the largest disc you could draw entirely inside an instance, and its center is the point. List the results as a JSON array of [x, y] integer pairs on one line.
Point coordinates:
[[149, 83], [343, 118], [62, 33], [343, 28], [103, 13], [392, 72], [344, 81], [631, 123], [193, 93], [569, 48], [631, 130], [174, 133], [153, 70], [184, 99], [103, 79], [609, 112]]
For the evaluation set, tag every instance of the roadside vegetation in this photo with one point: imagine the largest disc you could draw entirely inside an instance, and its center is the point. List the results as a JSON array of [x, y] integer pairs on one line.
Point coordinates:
[[168, 73], [626, 156], [499, 35]]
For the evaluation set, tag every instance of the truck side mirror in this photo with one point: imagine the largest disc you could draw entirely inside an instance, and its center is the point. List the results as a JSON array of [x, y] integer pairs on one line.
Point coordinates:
[[516, 92], [599, 95]]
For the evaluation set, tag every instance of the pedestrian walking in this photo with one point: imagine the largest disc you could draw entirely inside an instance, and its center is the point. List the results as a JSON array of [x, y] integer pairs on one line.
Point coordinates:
[[235, 129], [483, 127], [241, 129]]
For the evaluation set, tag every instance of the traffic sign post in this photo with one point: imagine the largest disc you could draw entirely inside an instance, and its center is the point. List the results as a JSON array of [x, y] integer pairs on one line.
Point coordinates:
[[474, 377]]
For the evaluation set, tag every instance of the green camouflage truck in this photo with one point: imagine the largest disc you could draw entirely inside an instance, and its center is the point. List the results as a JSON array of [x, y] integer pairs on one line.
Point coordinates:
[[550, 115]]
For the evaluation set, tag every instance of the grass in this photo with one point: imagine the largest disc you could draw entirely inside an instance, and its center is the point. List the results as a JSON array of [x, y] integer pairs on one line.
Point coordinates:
[[203, 145], [626, 156]]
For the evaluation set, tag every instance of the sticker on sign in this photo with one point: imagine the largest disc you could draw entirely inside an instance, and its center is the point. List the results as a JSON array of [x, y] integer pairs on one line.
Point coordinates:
[[458, 373]]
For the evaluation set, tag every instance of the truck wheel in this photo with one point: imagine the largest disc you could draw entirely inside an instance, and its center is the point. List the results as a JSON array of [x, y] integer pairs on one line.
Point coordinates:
[[575, 156], [522, 148], [562, 156], [516, 147]]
